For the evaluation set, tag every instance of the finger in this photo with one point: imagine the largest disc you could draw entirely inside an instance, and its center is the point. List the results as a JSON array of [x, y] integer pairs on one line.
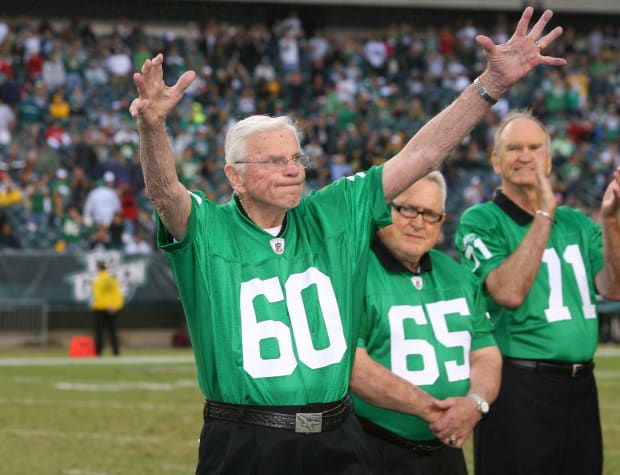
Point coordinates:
[[185, 80], [549, 37], [134, 108], [138, 80], [552, 61], [524, 21], [486, 43], [158, 61], [539, 26], [442, 405], [146, 67]]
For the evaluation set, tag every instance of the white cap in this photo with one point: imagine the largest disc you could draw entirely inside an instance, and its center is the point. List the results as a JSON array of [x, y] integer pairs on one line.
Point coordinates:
[[61, 173], [108, 176]]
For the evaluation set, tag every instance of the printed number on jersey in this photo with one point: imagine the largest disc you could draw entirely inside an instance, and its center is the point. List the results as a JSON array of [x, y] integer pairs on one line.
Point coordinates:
[[402, 347], [254, 331], [556, 310]]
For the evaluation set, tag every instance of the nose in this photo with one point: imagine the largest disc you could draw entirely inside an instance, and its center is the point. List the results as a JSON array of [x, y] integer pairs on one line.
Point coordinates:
[[417, 222], [291, 167]]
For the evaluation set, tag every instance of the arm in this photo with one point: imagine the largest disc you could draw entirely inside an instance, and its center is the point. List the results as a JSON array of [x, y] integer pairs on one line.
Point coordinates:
[[155, 100], [485, 373], [608, 279], [506, 65], [526, 259], [462, 413], [377, 385]]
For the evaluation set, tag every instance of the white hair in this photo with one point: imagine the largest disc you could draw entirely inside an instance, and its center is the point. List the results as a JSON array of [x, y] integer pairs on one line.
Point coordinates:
[[236, 138], [437, 177]]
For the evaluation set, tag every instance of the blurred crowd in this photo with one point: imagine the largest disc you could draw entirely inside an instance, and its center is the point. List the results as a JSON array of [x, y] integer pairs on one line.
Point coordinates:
[[70, 176]]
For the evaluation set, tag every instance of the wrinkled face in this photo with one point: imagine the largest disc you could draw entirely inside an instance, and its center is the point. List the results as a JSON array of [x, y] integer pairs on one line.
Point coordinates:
[[523, 149], [409, 238], [265, 186]]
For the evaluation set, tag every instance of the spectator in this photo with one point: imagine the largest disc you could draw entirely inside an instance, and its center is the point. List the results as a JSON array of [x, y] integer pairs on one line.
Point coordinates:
[[115, 231], [7, 124], [57, 136], [136, 245], [102, 203], [99, 240], [10, 194], [72, 227], [8, 240], [59, 107], [107, 301]]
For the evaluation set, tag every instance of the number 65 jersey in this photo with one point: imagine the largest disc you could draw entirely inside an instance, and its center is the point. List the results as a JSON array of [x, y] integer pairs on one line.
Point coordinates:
[[423, 327], [558, 318]]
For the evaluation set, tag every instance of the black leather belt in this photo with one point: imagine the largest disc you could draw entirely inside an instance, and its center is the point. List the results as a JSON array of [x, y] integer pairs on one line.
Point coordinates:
[[426, 447], [573, 370], [330, 416]]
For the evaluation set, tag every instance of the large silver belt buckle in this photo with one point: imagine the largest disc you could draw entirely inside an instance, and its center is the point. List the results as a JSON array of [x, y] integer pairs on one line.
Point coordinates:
[[576, 369], [308, 422]]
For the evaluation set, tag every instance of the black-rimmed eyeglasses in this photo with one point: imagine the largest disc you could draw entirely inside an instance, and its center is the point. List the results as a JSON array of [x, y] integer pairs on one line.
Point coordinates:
[[300, 160], [409, 212]]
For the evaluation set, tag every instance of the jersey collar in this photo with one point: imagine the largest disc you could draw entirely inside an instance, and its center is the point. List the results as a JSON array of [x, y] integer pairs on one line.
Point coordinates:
[[517, 214], [240, 207], [390, 263]]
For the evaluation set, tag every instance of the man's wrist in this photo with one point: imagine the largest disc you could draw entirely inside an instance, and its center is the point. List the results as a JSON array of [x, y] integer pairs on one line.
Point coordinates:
[[545, 214], [483, 91], [481, 403]]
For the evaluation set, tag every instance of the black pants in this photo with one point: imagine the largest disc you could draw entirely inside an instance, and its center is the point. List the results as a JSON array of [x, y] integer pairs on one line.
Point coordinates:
[[230, 448], [541, 424], [105, 320], [395, 460]]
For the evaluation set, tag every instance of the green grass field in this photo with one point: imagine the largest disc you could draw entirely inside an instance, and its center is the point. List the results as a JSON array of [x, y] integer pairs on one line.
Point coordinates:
[[141, 413]]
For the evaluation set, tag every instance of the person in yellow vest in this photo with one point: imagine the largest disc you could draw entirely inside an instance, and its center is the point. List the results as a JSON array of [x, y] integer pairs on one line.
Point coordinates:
[[107, 301]]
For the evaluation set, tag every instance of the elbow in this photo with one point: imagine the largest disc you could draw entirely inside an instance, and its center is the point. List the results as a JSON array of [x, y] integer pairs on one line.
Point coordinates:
[[512, 302], [355, 382], [613, 294]]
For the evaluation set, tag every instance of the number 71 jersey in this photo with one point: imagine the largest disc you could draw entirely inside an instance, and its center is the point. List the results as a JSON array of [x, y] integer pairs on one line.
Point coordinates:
[[558, 319]]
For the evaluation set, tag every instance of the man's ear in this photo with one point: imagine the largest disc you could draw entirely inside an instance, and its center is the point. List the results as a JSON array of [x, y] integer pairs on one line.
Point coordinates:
[[234, 178], [548, 166], [495, 162]]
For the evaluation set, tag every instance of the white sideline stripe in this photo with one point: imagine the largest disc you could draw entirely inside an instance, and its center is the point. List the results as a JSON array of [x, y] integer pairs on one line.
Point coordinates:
[[602, 352], [84, 435], [119, 360], [607, 351], [117, 387], [75, 471], [185, 410], [606, 374]]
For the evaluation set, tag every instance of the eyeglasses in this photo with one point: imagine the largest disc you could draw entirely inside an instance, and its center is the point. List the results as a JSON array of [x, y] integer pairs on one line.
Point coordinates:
[[408, 212], [300, 160]]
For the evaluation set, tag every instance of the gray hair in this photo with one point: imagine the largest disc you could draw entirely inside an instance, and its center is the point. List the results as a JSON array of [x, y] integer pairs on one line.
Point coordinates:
[[437, 177], [517, 114], [236, 137]]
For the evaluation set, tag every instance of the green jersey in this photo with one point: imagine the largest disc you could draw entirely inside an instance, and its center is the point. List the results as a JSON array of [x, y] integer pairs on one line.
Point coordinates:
[[558, 319], [422, 327], [274, 320]]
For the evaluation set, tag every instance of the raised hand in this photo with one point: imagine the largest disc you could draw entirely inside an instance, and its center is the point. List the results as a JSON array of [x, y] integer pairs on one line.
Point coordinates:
[[509, 62], [544, 189], [611, 199], [155, 100]]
